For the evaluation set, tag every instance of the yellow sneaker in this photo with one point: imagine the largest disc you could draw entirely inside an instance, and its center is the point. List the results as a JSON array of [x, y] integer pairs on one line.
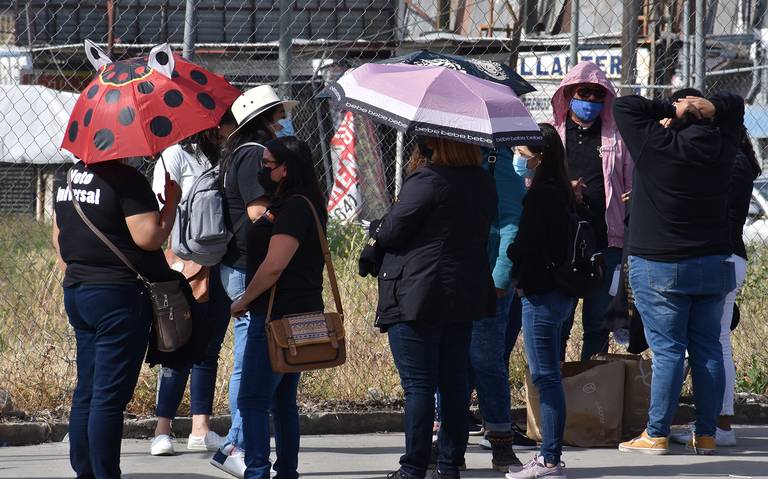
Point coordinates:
[[704, 445], [645, 444]]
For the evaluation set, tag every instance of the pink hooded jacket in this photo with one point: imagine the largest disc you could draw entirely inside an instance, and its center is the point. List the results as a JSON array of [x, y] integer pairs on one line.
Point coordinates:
[[617, 164]]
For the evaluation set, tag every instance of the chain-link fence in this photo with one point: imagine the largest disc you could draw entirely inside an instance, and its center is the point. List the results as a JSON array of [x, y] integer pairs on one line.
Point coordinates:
[[644, 46]]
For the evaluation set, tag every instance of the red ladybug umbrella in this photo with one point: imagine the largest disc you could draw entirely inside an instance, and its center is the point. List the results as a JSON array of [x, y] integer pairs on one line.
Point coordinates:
[[140, 106]]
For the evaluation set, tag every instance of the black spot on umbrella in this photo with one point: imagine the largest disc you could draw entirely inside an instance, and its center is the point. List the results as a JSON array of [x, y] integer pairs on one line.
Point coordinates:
[[73, 131], [126, 116], [162, 58], [160, 126], [112, 96], [103, 139], [175, 74], [199, 77], [87, 117], [95, 53], [206, 100], [92, 91], [146, 87], [173, 98]]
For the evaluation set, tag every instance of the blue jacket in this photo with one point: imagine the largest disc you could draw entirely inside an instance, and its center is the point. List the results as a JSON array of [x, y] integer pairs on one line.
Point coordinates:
[[510, 188]]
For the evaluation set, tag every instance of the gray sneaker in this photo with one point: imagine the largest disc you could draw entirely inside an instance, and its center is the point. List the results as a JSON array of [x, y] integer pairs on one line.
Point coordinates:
[[536, 468]]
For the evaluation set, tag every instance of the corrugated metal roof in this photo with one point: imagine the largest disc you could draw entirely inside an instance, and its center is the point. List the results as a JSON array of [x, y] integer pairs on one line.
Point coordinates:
[[219, 21]]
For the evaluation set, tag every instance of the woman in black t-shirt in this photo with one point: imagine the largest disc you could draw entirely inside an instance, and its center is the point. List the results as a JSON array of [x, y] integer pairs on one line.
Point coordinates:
[[108, 308], [283, 250], [261, 117]]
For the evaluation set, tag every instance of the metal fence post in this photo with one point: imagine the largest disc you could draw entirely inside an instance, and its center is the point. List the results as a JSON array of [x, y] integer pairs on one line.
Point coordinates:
[[701, 53], [284, 51], [574, 52], [399, 152], [685, 75], [629, 38], [190, 30]]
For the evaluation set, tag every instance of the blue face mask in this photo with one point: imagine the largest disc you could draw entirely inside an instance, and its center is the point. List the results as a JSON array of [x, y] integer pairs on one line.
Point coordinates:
[[586, 110], [287, 129], [521, 167]]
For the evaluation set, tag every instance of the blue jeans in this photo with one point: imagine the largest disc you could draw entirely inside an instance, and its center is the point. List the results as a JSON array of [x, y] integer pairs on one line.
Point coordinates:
[[261, 391], [543, 319], [514, 326], [111, 323], [233, 280], [430, 356], [593, 311], [681, 305], [173, 382], [488, 371]]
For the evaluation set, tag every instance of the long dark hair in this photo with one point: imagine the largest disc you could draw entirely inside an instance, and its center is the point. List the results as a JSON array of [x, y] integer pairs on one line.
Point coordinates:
[[202, 143], [746, 147], [553, 165], [300, 178], [256, 130]]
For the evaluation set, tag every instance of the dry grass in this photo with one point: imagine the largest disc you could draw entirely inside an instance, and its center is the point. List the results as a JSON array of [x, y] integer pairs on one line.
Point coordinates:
[[37, 348]]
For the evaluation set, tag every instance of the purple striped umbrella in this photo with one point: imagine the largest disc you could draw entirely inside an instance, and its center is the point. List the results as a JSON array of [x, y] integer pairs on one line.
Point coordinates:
[[437, 102]]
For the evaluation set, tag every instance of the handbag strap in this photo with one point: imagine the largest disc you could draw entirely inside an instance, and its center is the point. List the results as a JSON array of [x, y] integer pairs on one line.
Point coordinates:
[[328, 265], [99, 234]]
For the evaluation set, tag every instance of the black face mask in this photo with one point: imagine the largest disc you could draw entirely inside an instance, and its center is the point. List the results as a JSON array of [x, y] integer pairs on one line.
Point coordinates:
[[265, 180]]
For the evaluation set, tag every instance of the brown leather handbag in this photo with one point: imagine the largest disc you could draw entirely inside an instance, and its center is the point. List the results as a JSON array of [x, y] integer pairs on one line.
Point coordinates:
[[308, 341]]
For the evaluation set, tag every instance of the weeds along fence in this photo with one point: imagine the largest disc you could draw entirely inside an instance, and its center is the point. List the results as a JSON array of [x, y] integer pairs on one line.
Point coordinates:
[[646, 47]]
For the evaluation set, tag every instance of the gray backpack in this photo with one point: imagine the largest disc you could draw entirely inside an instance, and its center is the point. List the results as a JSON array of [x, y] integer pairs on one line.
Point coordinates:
[[200, 233]]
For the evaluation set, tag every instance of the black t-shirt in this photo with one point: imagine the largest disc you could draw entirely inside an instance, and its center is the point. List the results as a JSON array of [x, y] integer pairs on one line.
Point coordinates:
[[584, 161], [300, 287], [108, 193], [241, 187]]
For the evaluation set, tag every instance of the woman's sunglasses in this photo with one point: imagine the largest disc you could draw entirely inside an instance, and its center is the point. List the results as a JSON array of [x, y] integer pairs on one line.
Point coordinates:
[[587, 92], [270, 164]]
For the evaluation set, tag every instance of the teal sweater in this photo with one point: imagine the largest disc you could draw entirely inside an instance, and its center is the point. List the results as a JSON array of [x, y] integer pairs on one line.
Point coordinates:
[[510, 189]]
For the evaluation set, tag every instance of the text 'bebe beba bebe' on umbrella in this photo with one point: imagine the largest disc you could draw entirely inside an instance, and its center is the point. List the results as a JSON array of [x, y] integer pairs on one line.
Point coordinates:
[[438, 102], [140, 106]]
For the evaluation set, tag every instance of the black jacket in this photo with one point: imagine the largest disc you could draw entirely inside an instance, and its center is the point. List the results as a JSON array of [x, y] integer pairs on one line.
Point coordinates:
[[435, 265], [739, 197], [680, 191], [542, 238]]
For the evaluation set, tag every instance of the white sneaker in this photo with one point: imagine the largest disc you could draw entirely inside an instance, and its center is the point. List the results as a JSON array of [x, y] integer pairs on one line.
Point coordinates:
[[536, 468], [484, 443], [210, 442], [162, 445], [723, 438], [231, 460]]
